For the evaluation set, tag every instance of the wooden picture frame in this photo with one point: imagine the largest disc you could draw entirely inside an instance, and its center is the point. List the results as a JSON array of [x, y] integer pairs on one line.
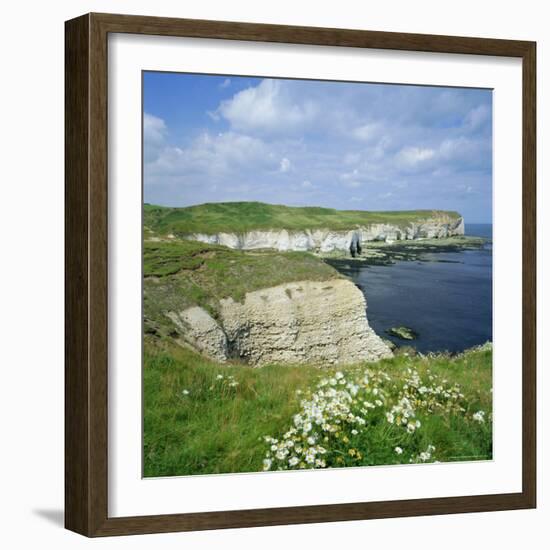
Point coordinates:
[[86, 282]]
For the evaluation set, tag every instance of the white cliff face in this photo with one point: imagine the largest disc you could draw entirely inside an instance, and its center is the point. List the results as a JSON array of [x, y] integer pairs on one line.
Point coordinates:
[[304, 322], [325, 240], [201, 332]]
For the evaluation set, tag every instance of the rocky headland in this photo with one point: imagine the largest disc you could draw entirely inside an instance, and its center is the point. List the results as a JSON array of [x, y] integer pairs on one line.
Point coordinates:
[[329, 240], [245, 289]]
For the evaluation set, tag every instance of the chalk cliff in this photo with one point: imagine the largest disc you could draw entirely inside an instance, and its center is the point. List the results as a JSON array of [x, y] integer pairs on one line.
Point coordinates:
[[312, 322], [327, 240]]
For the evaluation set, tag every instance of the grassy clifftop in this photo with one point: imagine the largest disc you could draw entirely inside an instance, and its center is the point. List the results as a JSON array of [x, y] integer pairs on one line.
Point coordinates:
[[240, 217], [180, 274]]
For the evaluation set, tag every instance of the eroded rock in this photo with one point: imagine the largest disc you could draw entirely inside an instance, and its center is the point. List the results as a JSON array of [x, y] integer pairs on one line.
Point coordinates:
[[199, 329], [327, 240], [302, 322]]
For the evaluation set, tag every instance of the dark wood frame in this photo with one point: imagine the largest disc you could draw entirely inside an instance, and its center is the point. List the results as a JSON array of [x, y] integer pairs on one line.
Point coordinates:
[[87, 286]]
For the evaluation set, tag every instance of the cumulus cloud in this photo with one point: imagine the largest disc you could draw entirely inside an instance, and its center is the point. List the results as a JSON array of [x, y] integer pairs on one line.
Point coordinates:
[[268, 108], [211, 159], [154, 132], [154, 128]]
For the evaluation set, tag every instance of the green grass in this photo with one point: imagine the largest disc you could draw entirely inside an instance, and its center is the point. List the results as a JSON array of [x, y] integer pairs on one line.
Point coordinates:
[[181, 274], [240, 217], [219, 425]]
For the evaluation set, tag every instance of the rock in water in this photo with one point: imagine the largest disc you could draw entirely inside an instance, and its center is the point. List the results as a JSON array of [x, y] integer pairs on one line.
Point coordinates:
[[405, 333]]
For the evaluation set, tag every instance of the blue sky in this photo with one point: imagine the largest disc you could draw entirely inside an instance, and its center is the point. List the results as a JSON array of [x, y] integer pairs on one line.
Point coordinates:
[[353, 146]]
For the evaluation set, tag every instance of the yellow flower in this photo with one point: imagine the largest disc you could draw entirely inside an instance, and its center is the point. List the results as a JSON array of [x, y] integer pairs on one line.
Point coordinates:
[[345, 439], [352, 452]]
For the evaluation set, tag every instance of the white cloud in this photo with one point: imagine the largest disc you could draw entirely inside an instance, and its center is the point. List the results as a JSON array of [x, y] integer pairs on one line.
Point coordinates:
[[307, 184], [224, 157], [346, 176], [478, 117], [267, 107], [366, 132], [154, 133], [154, 128], [351, 179], [412, 156], [284, 166], [226, 83]]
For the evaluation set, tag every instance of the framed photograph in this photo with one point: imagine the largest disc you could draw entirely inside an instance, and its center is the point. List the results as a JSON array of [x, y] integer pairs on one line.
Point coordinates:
[[300, 274]]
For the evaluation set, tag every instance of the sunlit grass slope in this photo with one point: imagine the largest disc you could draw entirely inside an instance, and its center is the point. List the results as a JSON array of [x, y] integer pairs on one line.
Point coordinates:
[[239, 217], [201, 417]]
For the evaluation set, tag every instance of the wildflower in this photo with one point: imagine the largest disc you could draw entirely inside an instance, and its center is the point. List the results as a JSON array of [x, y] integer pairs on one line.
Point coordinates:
[[219, 377], [354, 432], [267, 464], [398, 450], [310, 456], [281, 454], [185, 392], [293, 461], [479, 416]]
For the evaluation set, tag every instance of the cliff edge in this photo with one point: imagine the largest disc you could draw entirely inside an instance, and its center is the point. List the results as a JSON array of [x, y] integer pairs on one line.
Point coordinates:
[[314, 322]]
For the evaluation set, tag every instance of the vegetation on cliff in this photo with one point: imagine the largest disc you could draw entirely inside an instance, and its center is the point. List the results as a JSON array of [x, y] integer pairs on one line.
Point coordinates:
[[240, 217], [180, 274], [202, 418]]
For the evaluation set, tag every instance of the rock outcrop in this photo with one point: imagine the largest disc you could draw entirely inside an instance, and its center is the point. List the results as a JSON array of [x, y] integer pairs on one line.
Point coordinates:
[[302, 322], [200, 331], [326, 240]]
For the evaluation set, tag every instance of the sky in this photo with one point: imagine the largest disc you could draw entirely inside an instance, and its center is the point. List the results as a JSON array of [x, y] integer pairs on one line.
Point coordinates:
[[351, 146]]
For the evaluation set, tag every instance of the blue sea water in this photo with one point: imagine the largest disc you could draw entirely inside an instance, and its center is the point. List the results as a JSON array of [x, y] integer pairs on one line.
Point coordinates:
[[447, 300]]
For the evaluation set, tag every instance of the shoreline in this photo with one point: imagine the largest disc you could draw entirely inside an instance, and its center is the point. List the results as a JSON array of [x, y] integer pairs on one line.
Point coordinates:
[[388, 253]]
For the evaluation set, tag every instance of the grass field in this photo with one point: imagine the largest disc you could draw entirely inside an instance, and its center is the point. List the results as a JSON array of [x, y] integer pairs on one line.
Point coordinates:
[[239, 217], [202, 418], [180, 274]]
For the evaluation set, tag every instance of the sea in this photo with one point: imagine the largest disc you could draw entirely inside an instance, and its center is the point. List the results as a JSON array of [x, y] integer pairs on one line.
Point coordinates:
[[446, 299]]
